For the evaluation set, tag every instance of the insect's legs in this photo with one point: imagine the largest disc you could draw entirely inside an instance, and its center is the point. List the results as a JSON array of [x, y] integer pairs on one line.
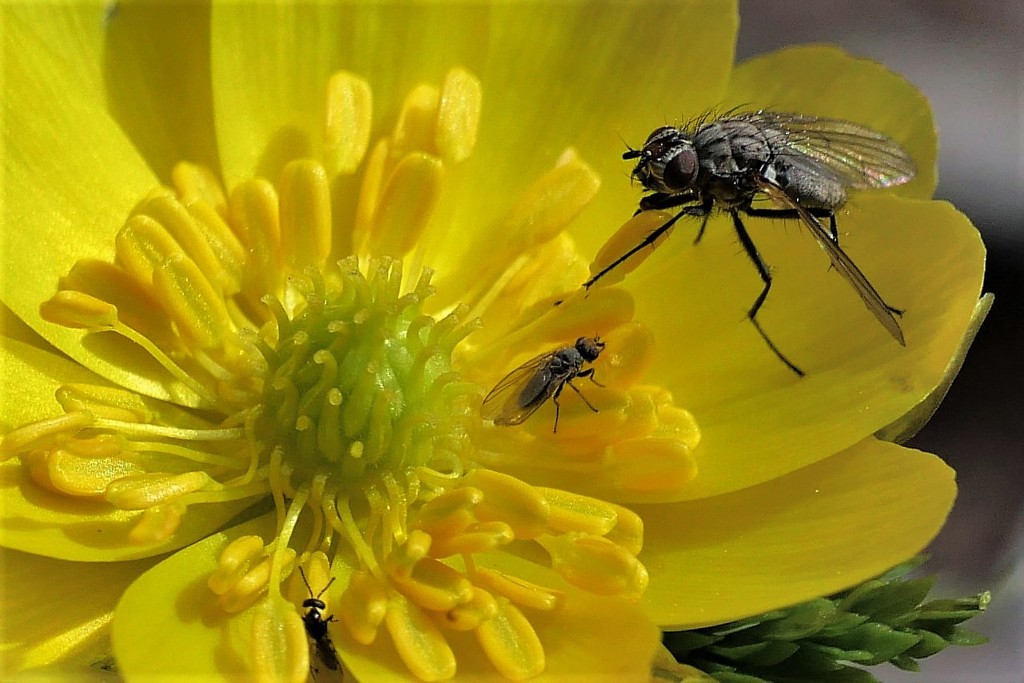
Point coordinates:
[[793, 213], [766, 278], [647, 241], [589, 372]]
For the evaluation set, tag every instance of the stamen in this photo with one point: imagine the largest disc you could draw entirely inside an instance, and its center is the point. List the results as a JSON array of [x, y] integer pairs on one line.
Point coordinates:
[[458, 115], [347, 122], [305, 214], [511, 644]]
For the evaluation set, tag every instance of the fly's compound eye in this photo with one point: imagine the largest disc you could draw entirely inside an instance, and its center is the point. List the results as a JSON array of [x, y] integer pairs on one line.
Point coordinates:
[[680, 169]]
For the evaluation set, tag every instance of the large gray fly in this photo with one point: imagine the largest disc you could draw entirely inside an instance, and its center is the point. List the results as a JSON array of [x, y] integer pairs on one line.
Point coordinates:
[[803, 164]]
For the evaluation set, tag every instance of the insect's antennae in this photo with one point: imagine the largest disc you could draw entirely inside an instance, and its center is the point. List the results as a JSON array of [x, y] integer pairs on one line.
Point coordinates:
[[303, 575], [326, 587]]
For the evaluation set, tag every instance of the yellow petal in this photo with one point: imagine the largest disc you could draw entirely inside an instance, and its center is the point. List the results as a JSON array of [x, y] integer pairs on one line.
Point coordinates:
[[810, 533], [169, 622], [70, 173], [57, 611], [157, 81], [757, 418]]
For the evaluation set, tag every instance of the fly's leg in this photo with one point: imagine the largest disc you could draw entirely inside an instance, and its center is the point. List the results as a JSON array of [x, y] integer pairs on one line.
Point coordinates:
[[558, 406], [589, 373], [661, 202], [766, 278], [793, 213]]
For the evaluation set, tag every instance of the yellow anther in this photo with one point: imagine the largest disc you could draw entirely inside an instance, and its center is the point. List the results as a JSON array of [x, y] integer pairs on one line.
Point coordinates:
[[87, 477], [596, 564], [458, 115], [256, 220], [510, 500], [107, 402], [418, 641], [250, 581], [369, 192], [363, 606], [407, 204], [632, 233], [191, 301], [347, 122], [75, 309], [403, 559], [548, 206], [450, 512], [43, 433], [647, 467], [195, 182], [235, 560], [434, 585], [417, 122], [628, 531], [681, 424], [469, 615], [476, 538], [519, 591], [305, 214], [230, 254], [573, 512], [628, 354], [511, 644], [185, 230], [140, 491], [141, 245], [279, 650], [156, 524]]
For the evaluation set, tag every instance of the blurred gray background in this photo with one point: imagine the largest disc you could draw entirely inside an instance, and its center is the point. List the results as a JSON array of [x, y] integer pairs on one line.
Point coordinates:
[[968, 58]]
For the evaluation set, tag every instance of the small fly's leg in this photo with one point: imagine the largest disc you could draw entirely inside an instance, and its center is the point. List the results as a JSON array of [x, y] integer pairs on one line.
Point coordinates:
[[793, 213], [588, 373], [766, 278], [558, 406]]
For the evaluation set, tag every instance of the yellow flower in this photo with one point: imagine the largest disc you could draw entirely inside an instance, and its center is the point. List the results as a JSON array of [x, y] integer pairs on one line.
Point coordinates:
[[268, 260]]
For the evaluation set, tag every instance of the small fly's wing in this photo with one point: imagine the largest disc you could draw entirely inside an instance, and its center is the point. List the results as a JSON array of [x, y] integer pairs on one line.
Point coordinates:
[[521, 392], [856, 155], [840, 261]]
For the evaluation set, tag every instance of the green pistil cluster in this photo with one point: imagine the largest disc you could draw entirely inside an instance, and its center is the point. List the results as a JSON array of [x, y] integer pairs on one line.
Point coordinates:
[[360, 379]]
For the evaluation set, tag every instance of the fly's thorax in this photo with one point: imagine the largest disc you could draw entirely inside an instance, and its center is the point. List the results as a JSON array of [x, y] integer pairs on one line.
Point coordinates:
[[729, 147]]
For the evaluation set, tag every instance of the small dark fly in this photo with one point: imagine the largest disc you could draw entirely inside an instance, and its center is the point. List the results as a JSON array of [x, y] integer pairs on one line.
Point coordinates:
[[316, 625], [802, 164], [521, 392]]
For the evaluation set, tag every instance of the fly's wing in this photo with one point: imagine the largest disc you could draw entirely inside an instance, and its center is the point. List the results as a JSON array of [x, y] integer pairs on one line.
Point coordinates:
[[840, 261], [856, 155], [521, 392]]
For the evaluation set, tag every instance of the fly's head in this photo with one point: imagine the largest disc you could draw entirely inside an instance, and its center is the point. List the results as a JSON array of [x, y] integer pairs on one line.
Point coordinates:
[[589, 347], [667, 161]]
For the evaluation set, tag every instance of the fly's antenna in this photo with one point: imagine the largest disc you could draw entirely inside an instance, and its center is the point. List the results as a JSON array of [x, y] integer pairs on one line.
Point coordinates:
[[632, 153], [317, 596], [303, 575]]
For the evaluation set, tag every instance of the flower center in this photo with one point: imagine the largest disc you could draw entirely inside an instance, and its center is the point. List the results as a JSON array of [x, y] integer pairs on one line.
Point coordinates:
[[277, 351]]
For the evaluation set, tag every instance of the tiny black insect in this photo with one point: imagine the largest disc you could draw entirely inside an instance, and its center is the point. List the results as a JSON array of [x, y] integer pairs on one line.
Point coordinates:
[[803, 164], [316, 625], [521, 392]]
